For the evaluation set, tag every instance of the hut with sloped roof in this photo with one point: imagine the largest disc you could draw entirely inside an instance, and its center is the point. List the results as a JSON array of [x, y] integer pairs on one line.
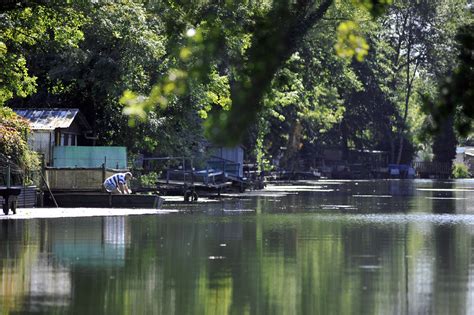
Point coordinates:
[[56, 127]]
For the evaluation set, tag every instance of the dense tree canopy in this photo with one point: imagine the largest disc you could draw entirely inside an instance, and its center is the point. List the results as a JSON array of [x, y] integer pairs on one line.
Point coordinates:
[[298, 75]]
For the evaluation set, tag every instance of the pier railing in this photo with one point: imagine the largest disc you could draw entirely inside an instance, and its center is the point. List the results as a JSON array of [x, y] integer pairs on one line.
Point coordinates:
[[224, 165], [182, 169]]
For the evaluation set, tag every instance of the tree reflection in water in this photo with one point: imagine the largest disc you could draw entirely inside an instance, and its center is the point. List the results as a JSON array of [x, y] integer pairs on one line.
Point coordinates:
[[407, 252]]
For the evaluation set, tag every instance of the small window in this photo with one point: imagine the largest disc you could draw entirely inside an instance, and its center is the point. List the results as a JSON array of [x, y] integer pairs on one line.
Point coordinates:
[[65, 139]]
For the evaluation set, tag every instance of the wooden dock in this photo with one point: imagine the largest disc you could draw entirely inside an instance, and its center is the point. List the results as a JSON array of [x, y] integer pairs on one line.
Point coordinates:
[[179, 177], [107, 200], [190, 190]]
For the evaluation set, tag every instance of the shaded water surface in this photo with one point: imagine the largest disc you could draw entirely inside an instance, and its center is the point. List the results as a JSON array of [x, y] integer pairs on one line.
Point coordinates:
[[375, 247]]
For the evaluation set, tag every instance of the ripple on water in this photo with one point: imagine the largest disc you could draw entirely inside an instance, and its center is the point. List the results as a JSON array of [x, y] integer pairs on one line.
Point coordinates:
[[372, 196], [464, 189], [446, 198], [439, 219], [295, 188], [370, 267]]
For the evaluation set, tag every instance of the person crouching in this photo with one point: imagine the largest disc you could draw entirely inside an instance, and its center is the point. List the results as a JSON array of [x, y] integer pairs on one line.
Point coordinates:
[[117, 183]]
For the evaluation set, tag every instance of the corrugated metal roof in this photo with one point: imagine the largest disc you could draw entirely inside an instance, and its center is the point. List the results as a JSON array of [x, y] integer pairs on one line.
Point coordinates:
[[51, 118]]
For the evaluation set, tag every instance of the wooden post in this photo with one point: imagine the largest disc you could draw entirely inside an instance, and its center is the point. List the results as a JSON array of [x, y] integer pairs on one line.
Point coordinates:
[[8, 175], [185, 186], [103, 172], [47, 186], [167, 168], [184, 172], [192, 173], [167, 171]]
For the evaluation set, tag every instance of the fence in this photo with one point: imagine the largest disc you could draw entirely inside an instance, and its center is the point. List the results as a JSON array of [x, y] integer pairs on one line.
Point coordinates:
[[78, 179], [166, 172], [224, 165], [181, 169]]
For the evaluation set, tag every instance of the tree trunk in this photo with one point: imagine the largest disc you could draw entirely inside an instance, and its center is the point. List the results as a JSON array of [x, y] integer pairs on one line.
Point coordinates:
[[407, 98], [294, 145], [344, 144], [409, 85]]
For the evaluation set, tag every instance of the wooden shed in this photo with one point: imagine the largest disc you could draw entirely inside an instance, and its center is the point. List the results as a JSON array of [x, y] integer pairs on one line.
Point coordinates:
[[228, 159], [56, 127]]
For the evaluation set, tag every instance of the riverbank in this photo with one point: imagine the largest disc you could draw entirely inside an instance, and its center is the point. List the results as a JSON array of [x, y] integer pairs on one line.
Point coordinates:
[[174, 201], [348, 195]]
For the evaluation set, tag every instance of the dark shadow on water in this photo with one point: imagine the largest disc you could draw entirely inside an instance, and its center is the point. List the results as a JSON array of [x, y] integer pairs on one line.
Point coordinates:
[[446, 203]]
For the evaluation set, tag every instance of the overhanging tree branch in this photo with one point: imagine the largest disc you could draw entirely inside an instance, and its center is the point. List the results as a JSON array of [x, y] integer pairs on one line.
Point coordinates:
[[280, 33]]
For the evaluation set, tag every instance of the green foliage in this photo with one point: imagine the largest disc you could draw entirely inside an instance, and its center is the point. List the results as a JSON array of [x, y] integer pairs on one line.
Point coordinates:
[[300, 105], [460, 171], [14, 131], [138, 106], [254, 71], [148, 180], [260, 151], [350, 42], [123, 47], [457, 90], [217, 94], [24, 29], [375, 7]]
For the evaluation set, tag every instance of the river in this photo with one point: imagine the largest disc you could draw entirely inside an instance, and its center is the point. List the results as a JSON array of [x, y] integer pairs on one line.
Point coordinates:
[[315, 247]]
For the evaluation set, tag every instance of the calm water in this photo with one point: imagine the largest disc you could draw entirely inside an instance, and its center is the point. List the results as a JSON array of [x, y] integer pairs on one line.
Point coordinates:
[[379, 247]]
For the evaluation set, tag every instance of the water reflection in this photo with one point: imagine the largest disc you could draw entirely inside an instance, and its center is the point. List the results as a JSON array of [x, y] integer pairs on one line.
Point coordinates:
[[91, 242], [396, 247]]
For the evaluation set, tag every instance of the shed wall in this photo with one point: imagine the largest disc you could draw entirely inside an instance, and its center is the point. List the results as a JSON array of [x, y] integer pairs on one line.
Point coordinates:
[[42, 141], [235, 155]]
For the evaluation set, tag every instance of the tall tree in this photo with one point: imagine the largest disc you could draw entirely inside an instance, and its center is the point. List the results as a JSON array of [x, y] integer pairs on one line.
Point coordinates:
[[422, 35]]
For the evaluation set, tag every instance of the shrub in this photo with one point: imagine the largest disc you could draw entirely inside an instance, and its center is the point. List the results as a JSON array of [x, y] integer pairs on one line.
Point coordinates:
[[148, 180], [460, 171], [14, 131]]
